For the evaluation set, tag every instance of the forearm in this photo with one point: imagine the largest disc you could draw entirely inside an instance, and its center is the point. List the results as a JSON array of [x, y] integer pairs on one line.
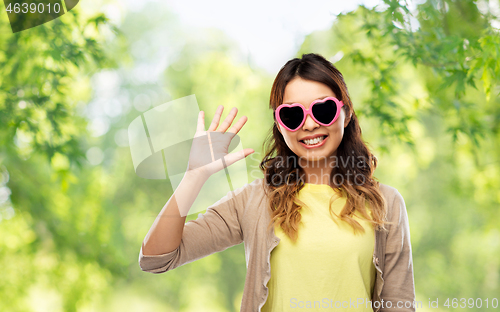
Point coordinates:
[[166, 232]]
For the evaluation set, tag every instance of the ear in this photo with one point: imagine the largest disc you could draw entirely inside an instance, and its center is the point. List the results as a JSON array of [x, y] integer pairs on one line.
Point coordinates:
[[347, 119], [278, 126]]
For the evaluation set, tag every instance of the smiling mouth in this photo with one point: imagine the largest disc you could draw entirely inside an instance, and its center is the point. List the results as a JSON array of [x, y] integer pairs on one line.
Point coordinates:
[[314, 141]]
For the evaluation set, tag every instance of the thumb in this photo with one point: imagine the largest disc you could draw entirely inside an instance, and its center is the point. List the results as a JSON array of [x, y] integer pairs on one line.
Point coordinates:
[[248, 151], [230, 159]]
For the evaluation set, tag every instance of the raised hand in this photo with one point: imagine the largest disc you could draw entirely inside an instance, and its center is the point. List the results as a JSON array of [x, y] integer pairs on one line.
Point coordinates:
[[209, 151]]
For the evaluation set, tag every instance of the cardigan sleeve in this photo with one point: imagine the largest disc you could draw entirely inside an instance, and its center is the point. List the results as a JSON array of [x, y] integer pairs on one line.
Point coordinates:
[[215, 230], [398, 292]]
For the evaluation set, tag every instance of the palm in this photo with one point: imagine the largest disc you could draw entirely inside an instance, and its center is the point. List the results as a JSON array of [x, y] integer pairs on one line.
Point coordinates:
[[209, 151]]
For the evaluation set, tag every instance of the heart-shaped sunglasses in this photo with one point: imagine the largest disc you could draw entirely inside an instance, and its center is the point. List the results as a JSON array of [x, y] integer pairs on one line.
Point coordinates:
[[323, 111]]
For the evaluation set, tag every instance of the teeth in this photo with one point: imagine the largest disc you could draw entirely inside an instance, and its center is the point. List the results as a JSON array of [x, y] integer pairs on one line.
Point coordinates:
[[314, 141]]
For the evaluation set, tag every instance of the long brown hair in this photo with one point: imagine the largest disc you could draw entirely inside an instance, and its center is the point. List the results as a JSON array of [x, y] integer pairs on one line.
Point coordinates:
[[284, 179]]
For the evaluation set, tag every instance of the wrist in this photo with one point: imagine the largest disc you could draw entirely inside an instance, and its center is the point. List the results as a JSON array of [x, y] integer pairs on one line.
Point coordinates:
[[197, 174]]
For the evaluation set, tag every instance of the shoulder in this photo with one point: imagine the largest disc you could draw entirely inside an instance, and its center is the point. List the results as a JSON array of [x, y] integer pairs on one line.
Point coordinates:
[[236, 201], [254, 188], [245, 192], [257, 183], [388, 191], [250, 192], [249, 199], [394, 200]]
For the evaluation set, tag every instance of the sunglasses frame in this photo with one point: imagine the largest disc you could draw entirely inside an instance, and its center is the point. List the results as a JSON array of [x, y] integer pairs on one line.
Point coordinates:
[[309, 112]]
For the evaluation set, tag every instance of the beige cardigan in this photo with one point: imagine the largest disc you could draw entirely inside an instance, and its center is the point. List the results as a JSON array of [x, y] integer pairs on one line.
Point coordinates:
[[243, 216]]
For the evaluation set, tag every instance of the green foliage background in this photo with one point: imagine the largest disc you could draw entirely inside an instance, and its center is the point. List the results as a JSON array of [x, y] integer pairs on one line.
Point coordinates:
[[73, 213]]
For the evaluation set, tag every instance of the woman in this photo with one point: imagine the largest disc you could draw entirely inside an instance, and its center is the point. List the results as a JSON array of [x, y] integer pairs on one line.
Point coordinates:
[[334, 237]]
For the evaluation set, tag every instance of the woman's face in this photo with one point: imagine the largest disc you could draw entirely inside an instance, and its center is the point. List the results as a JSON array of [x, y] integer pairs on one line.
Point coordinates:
[[305, 92]]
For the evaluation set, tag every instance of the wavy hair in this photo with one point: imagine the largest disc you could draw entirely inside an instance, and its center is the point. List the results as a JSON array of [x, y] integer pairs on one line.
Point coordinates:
[[284, 179]]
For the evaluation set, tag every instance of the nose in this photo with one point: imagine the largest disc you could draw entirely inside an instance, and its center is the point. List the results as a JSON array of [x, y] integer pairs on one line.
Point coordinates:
[[310, 124]]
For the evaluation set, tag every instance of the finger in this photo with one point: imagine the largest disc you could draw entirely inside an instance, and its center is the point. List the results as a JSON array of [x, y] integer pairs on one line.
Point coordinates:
[[248, 151], [230, 159], [237, 126], [229, 119], [216, 119], [201, 122]]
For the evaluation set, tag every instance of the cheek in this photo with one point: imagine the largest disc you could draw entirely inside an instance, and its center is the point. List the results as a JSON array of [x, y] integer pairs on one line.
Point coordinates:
[[289, 140], [287, 136], [292, 143], [337, 131]]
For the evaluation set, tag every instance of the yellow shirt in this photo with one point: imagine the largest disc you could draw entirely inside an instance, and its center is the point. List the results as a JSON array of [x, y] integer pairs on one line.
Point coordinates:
[[328, 266]]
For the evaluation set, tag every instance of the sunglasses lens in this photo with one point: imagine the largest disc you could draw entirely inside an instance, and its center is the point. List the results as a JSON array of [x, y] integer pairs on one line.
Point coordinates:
[[325, 112], [291, 116]]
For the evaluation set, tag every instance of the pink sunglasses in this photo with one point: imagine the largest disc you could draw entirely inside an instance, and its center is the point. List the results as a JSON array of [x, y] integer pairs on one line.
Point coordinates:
[[323, 111]]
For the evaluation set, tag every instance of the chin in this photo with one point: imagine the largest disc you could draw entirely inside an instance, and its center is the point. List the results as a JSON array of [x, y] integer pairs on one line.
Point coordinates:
[[313, 156], [316, 155]]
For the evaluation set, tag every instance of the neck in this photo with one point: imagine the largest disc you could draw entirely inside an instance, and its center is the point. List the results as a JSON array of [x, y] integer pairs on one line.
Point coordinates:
[[319, 172]]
